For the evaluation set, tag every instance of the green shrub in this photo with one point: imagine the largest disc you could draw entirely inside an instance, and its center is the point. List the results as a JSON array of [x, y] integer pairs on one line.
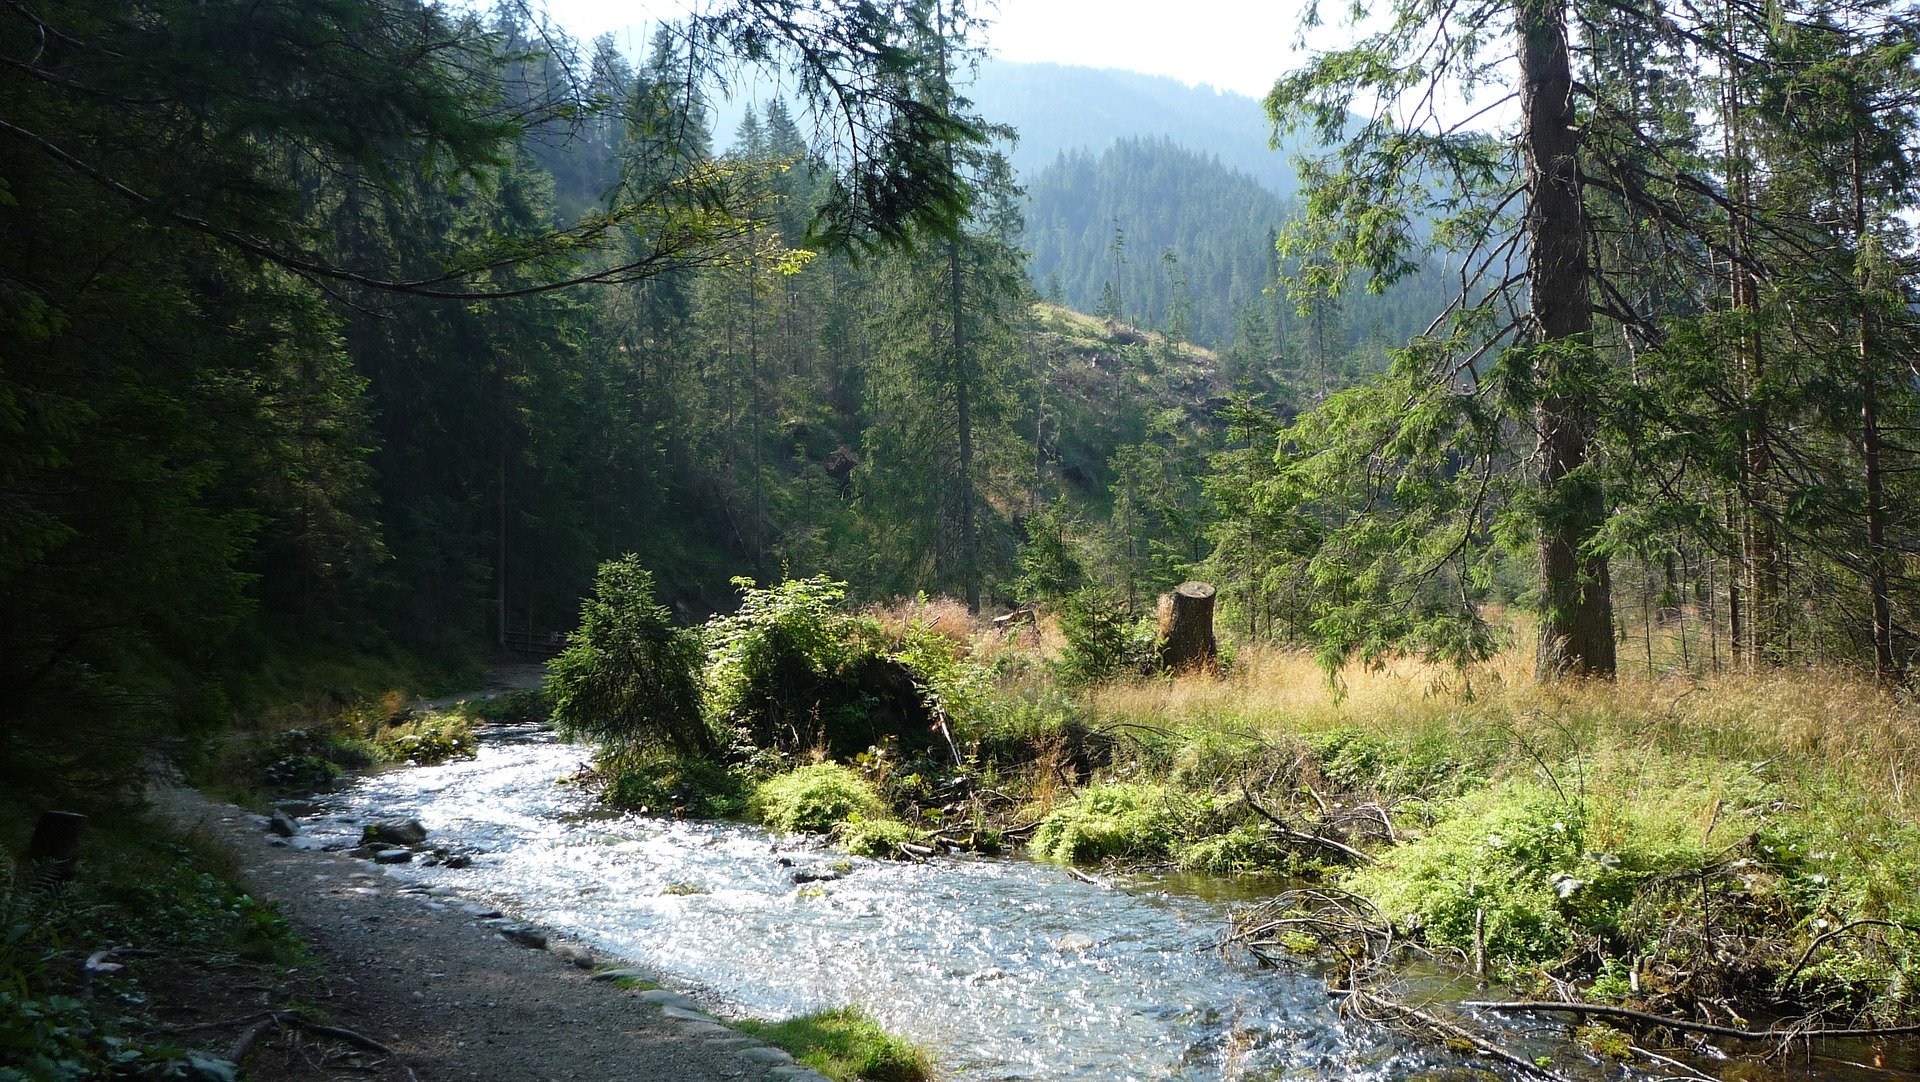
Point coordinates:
[[1241, 851], [525, 706], [1531, 861], [846, 1045], [875, 837], [1102, 641], [700, 788], [628, 677], [792, 671], [1120, 820], [814, 799], [435, 738], [303, 759], [136, 888]]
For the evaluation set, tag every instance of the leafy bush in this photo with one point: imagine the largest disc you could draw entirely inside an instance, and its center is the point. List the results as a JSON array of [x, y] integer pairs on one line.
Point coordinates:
[[424, 741], [793, 671], [147, 892], [846, 1045], [1120, 820], [1533, 862], [1241, 851], [525, 706], [700, 788], [814, 799], [311, 758], [628, 677], [875, 837]]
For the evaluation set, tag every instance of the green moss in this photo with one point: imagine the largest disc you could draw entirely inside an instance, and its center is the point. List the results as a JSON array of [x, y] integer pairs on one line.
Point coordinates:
[[846, 1045], [1119, 820], [814, 799]]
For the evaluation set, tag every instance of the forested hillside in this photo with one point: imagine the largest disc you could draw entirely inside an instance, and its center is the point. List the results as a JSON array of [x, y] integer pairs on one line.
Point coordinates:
[[1509, 532], [1061, 109], [1154, 233]]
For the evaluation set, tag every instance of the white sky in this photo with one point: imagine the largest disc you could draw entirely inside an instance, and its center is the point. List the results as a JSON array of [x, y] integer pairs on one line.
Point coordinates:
[[1238, 45]]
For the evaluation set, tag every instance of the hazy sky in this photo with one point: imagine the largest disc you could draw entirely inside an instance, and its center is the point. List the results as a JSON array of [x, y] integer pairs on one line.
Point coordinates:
[[1238, 45]]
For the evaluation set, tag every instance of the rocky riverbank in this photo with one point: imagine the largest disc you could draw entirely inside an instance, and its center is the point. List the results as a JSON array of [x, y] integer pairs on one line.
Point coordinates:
[[456, 990]]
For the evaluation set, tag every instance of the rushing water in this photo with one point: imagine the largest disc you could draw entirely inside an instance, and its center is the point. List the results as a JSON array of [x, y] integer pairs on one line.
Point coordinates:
[[1006, 969]]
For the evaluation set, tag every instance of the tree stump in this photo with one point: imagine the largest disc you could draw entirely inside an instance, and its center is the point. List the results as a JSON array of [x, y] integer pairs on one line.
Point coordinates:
[[1186, 629], [53, 853]]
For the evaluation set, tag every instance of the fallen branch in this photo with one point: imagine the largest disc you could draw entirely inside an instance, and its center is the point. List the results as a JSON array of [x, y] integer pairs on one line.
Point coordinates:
[[1788, 1034], [1807, 955], [259, 1024], [1290, 834], [1454, 1030]]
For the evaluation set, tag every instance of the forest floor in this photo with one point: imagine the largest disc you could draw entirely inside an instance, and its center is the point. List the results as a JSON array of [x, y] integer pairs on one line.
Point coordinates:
[[450, 997]]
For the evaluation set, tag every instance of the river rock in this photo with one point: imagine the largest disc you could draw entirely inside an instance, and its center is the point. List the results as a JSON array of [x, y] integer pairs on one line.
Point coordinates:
[[458, 860], [524, 934], [667, 997], [282, 824], [819, 873], [621, 975], [1074, 943], [767, 1054], [578, 955], [393, 856], [394, 832]]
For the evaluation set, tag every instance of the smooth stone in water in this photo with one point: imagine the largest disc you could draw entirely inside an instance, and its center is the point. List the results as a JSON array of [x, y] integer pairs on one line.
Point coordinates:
[[393, 856], [395, 832], [286, 826]]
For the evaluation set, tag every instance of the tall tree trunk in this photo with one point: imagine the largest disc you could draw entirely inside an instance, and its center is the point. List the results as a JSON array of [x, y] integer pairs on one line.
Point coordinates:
[[1758, 557], [963, 423], [1576, 610], [1879, 589]]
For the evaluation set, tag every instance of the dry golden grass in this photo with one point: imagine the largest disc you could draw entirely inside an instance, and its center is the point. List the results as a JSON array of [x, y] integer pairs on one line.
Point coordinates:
[[1812, 724], [943, 616]]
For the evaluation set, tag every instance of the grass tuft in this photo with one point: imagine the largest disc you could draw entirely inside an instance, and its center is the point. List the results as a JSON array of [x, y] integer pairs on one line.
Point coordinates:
[[846, 1045]]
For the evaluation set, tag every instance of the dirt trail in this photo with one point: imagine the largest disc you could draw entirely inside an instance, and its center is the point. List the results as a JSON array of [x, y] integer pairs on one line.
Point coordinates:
[[453, 997]]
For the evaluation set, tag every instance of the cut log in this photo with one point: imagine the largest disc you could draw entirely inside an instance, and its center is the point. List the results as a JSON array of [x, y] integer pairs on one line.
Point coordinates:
[[1186, 629], [53, 853]]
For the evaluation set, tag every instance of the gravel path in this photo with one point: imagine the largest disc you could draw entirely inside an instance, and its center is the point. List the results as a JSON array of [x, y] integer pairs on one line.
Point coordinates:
[[454, 997]]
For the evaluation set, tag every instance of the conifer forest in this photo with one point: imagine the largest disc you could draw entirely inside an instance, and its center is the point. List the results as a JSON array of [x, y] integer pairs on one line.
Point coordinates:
[[1531, 387]]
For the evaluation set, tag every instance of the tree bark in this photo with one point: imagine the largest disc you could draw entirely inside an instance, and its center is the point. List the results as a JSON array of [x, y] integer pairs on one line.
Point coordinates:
[[1879, 587], [1186, 629], [1576, 610]]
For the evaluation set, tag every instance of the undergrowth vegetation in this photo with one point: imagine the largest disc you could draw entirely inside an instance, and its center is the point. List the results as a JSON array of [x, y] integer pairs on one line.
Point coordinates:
[[1717, 846], [846, 1045], [150, 910]]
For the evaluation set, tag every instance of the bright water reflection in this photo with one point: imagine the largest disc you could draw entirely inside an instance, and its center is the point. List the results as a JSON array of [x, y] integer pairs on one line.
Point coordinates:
[[1006, 969]]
